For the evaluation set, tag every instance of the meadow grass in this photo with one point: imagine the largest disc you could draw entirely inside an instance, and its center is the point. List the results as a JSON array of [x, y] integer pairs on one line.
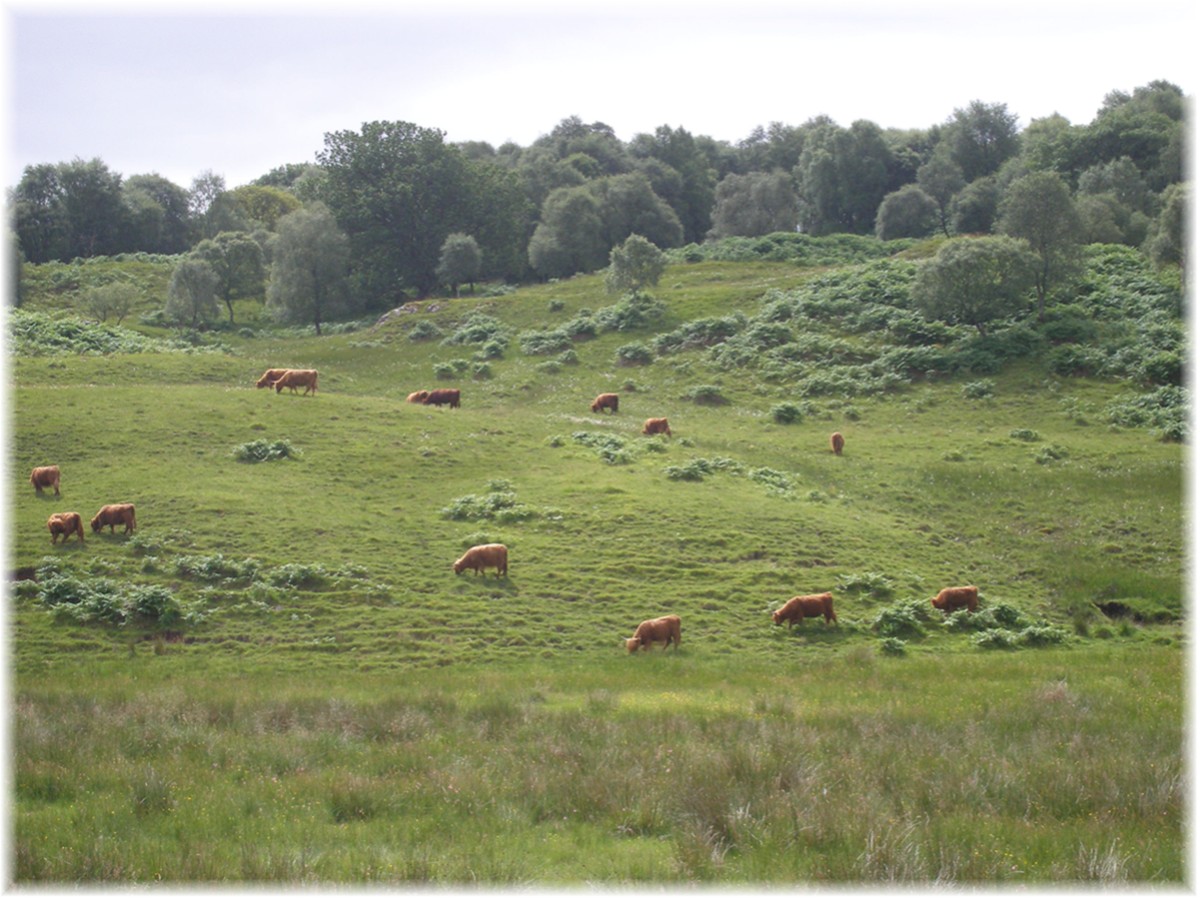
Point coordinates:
[[334, 706]]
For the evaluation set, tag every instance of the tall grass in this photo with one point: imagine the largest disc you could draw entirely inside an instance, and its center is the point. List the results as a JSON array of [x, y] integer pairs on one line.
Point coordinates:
[[1023, 770], [332, 705]]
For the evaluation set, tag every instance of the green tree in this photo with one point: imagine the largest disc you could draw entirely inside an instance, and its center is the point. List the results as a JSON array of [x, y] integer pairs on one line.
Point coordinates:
[[237, 261], [687, 170], [1167, 243], [908, 212], [309, 262], [975, 281], [116, 299], [974, 208], [940, 179], [212, 206], [628, 205], [191, 295], [399, 190], [755, 204], [634, 265], [1039, 209], [842, 177], [460, 261], [569, 238], [981, 138], [159, 220], [264, 205]]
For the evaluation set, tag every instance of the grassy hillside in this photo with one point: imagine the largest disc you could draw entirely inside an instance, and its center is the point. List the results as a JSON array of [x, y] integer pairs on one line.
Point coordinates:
[[307, 605]]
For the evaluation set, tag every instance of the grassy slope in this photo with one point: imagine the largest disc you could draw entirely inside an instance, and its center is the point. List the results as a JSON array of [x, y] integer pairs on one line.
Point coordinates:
[[932, 490]]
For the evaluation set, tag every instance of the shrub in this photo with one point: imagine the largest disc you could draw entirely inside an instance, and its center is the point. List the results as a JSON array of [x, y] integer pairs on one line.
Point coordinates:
[[900, 619], [481, 372], [424, 331], [893, 646], [634, 355], [479, 328], [1051, 453], [634, 311], [876, 584], [555, 305], [543, 343], [707, 395], [264, 451], [786, 413], [1024, 434], [979, 390]]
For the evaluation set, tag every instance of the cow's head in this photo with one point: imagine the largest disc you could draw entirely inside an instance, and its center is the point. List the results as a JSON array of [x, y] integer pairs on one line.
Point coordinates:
[[777, 616], [631, 644], [459, 565]]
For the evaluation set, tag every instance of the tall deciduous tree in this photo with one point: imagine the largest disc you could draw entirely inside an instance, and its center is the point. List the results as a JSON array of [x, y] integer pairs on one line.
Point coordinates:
[[975, 281], [754, 204], [191, 295], [309, 260], [634, 265], [159, 220], [908, 212], [398, 190], [237, 261], [842, 177], [981, 137], [940, 179], [460, 261], [1039, 209], [570, 236]]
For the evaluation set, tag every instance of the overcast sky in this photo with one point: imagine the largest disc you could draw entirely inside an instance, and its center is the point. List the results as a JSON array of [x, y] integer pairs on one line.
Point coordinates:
[[240, 89]]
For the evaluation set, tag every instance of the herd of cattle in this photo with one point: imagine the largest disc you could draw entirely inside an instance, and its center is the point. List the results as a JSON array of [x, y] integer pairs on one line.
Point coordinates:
[[664, 630], [65, 524]]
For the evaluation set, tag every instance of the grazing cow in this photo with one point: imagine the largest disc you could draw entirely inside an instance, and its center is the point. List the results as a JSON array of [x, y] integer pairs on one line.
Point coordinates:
[[66, 524], [44, 477], [656, 426], [294, 378], [663, 630], [954, 598], [269, 378], [837, 442], [605, 401], [115, 514], [418, 396], [443, 395], [807, 606], [484, 556]]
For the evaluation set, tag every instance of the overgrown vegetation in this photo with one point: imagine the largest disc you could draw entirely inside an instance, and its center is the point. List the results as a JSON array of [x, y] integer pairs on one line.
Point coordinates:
[[278, 679]]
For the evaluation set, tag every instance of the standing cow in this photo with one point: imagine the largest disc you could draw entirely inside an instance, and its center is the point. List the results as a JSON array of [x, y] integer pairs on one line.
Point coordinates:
[[66, 524], [837, 442], [605, 401], [449, 396], [115, 514], [294, 378], [807, 606], [44, 477], [664, 630], [269, 378], [657, 426], [952, 599], [484, 556]]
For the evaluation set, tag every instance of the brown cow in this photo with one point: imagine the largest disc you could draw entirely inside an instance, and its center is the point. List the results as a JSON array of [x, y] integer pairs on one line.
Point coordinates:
[[484, 556], [294, 378], [954, 598], [605, 401], [664, 630], [66, 524], [837, 442], [269, 378], [809, 605], [657, 426], [115, 514], [44, 477], [418, 396], [443, 395]]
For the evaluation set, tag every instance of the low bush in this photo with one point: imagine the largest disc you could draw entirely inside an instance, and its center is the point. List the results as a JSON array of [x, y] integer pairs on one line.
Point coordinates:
[[634, 355], [264, 451]]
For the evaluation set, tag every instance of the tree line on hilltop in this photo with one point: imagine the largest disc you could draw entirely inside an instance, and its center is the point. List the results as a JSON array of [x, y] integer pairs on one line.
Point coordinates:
[[393, 211]]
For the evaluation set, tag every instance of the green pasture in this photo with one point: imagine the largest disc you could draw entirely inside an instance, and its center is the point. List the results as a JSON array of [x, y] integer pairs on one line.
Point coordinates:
[[330, 704]]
